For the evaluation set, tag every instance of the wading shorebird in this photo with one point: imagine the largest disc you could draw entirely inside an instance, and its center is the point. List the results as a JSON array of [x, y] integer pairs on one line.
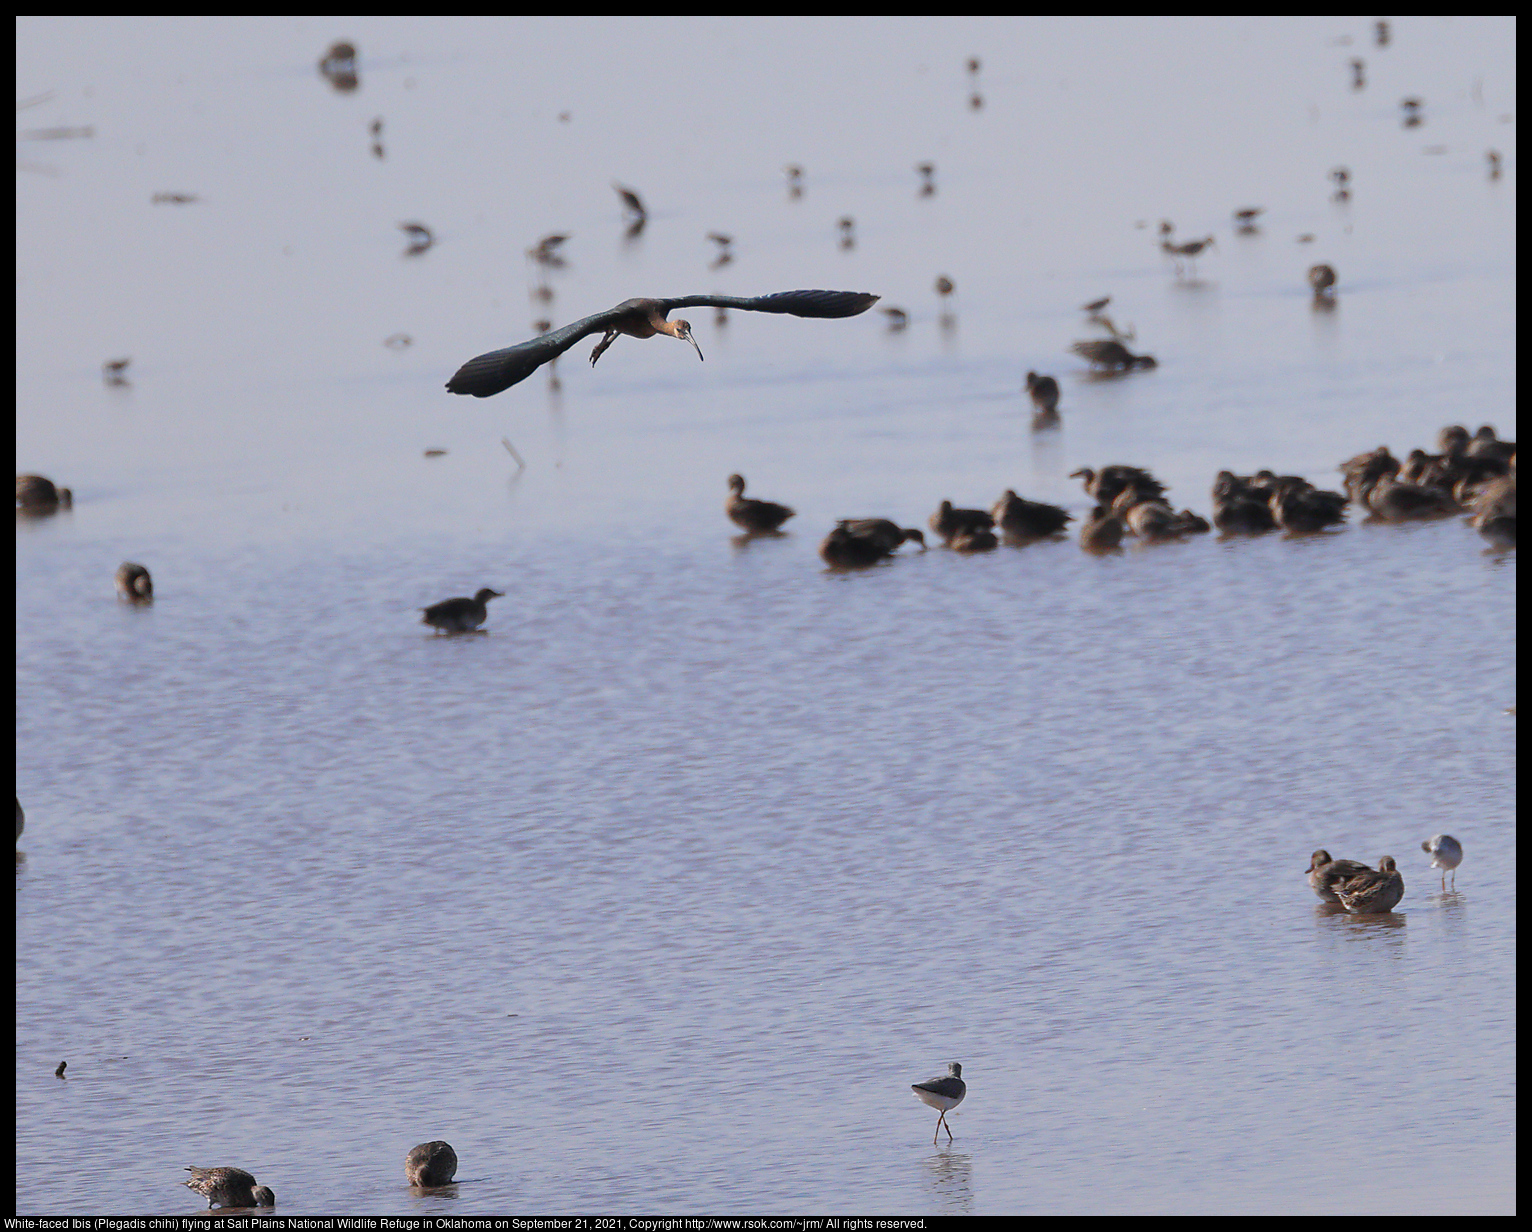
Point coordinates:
[[1044, 392], [943, 1093], [1188, 252], [1446, 852], [496, 371]]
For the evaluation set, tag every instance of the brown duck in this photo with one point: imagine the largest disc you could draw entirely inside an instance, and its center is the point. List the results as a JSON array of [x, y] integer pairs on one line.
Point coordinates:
[[755, 516]]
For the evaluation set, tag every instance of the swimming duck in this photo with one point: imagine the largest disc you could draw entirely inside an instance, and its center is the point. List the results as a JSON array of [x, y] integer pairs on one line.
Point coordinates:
[[134, 583], [755, 516]]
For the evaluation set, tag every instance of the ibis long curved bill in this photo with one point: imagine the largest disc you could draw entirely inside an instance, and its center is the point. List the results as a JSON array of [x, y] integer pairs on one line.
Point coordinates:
[[497, 371]]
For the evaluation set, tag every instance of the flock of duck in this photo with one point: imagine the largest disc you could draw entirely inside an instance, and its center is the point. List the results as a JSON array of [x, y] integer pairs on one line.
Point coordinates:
[[1469, 474], [428, 1166], [1472, 474]]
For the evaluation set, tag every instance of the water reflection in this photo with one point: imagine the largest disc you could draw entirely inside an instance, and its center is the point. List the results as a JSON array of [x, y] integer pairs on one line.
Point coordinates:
[[949, 1179]]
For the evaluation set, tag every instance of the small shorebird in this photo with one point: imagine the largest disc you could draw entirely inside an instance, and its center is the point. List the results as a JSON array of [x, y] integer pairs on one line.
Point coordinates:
[[1324, 871], [1110, 354], [460, 615], [1322, 279], [1188, 252], [1446, 852], [632, 203], [755, 516], [943, 1094], [1044, 392], [431, 1164], [134, 583], [1372, 892], [228, 1187], [419, 236]]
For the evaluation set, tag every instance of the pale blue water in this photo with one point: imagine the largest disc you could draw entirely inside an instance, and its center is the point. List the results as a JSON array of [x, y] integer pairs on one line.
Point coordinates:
[[657, 896]]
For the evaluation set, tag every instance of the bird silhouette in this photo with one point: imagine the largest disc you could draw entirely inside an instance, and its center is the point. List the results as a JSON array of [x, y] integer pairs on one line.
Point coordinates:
[[496, 371]]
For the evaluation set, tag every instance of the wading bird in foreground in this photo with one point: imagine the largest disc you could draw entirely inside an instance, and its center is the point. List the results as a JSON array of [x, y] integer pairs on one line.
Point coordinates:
[[639, 318]]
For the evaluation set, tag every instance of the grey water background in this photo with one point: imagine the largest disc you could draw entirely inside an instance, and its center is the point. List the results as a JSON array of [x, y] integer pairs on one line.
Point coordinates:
[[655, 897]]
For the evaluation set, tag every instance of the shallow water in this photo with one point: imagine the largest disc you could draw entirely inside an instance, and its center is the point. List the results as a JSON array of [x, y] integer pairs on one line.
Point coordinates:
[[657, 895]]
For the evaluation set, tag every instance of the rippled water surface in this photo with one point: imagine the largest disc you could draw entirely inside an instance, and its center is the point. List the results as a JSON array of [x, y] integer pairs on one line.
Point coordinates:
[[656, 896]]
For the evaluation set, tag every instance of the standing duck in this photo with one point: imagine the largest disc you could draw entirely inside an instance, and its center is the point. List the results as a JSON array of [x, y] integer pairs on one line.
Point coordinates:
[[1372, 892], [1324, 872], [460, 615], [947, 521], [227, 1187], [1024, 519], [755, 516], [431, 1164]]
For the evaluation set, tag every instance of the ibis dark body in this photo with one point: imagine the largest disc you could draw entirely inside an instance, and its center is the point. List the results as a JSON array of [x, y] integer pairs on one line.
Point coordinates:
[[496, 371]]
